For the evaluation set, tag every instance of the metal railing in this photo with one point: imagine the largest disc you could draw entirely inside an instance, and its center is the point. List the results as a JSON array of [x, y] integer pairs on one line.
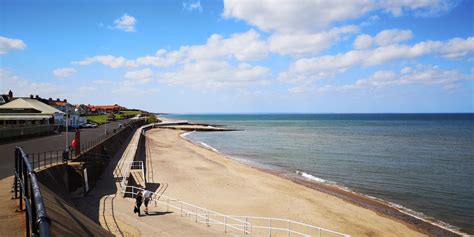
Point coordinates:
[[46, 159], [198, 214], [270, 226], [27, 190]]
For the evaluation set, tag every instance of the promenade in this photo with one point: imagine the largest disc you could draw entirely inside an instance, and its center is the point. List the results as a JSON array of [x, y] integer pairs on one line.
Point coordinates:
[[106, 204], [47, 143]]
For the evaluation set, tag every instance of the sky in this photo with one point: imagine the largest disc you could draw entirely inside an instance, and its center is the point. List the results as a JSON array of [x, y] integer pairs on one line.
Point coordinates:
[[242, 56]]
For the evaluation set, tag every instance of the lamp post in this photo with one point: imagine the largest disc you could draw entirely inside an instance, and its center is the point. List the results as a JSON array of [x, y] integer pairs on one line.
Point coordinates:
[[106, 117], [67, 118]]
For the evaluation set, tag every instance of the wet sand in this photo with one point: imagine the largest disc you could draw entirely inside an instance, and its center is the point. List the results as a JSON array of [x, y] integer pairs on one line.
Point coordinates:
[[208, 179]]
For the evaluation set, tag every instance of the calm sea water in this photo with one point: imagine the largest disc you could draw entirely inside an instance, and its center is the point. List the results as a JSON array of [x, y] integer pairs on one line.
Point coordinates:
[[423, 162]]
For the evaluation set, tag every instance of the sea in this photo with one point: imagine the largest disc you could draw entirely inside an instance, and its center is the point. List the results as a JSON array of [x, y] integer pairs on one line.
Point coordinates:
[[422, 164]]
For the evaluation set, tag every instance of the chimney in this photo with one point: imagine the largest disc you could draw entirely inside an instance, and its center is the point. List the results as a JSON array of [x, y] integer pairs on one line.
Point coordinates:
[[50, 99], [65, 100], [31, 96], [37, 97], [10, 94], [57, 99]]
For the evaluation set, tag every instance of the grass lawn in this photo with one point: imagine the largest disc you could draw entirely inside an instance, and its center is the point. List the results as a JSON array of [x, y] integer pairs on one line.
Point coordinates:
[[127, 114], [99, 119]]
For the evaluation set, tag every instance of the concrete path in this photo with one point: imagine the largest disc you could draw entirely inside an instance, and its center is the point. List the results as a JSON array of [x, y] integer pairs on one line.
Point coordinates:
[[12, 223], [115, 213]]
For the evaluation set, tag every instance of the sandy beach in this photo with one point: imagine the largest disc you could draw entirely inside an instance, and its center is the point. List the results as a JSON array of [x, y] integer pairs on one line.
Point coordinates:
[[203, 177]]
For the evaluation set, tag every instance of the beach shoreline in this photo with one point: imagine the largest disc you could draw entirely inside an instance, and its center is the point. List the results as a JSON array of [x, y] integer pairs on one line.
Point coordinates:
[[195, 174], [381, 207]]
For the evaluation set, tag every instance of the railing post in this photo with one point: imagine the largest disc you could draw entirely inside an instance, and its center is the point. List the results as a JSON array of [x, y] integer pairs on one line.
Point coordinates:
[[289, 227], [181, 204], [20, 175], [319, 232], [225, 224], [207, 217], [270, 227], [167, 205], [196, 210], [16, 171], [246, 221]]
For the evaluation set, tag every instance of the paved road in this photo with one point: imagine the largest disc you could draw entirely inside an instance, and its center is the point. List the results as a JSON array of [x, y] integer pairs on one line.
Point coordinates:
[[47, 143]]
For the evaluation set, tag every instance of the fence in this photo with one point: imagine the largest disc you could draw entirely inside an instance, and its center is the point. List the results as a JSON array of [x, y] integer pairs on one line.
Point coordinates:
[[47, 159], [270, 226], [198, 214], [26, 188]]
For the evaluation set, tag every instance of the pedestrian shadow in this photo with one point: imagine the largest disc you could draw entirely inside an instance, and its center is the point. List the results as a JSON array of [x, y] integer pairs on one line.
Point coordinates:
[[159, 213]]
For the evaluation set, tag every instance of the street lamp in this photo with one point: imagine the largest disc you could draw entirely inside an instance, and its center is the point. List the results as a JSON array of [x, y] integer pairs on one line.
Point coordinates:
[[106, 117]]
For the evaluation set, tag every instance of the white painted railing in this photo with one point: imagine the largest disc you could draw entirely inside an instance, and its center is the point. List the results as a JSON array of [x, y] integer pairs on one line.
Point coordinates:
[[198, 214], [277, 225]]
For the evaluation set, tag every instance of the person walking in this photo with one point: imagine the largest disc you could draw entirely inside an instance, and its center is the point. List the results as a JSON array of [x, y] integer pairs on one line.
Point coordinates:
[[138, 202], [147, 195]]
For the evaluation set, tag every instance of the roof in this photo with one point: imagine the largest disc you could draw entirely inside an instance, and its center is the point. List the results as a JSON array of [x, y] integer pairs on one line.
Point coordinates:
[[23, 103], [24, 116]]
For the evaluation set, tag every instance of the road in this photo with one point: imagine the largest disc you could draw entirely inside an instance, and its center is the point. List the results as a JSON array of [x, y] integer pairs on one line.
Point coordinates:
[[48, 143]]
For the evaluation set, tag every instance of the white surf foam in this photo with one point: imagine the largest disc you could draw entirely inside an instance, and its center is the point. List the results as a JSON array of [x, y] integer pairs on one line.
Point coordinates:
[[209, 147], [186, 134], [311, 177]]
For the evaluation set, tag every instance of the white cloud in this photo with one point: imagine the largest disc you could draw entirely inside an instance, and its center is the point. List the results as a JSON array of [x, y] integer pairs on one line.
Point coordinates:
[[312, 16], [392, 36], [307, 43], [242, 46], [383, 38], [363, 42], [139, 77], [310, 69], [7, 44], [422, 75], [109, 60], [125, 23], [23, 87], [192, 6], [140, 74], [216, 74], [64, 72]]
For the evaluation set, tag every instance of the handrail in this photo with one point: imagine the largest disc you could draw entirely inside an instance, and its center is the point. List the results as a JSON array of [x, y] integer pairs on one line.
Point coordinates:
[[37, 222], [200, 214], [289, 223]]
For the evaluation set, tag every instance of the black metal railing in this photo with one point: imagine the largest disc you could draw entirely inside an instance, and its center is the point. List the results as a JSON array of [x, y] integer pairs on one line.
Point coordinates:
[[46, 159], [28, 192]]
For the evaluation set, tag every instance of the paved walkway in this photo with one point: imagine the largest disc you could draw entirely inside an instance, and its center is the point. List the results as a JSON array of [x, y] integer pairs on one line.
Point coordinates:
[[116, 212], [12, 223]]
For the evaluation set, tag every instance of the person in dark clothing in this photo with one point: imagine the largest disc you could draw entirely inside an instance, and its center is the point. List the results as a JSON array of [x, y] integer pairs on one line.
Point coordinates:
[[138, 202]]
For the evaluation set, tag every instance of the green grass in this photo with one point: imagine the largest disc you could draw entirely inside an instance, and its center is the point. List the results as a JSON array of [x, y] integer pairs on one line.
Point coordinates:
[[98, 119], [127, 114], [132, 113]]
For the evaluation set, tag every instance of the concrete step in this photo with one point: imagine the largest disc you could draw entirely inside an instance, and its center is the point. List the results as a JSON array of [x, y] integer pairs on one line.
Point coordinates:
[[138, 177]]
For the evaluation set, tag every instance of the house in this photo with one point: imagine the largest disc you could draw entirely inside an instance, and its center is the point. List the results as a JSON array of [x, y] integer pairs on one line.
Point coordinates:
[[109, 108], [83, 109], [6, 98], [27, 111]]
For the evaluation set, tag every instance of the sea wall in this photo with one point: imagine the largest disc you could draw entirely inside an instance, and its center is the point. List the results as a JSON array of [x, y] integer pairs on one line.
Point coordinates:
[[63, 183]]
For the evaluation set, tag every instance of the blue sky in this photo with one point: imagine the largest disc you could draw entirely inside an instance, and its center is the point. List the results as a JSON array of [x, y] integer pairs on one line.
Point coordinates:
[[243, 56]]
